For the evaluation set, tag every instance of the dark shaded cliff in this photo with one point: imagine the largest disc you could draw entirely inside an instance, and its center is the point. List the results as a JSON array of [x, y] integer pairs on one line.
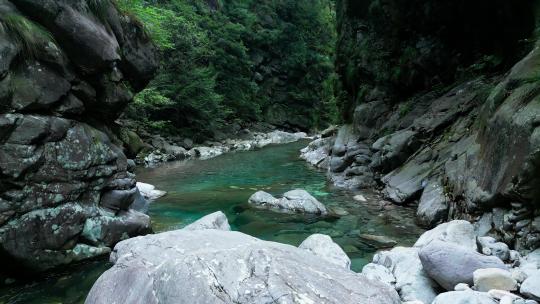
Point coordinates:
[[67, 70], [442, 105]]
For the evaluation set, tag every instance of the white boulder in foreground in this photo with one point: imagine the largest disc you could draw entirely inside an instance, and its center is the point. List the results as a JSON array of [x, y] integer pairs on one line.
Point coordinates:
[[298, 200], [217, 220], [149, 192], [214, 266]]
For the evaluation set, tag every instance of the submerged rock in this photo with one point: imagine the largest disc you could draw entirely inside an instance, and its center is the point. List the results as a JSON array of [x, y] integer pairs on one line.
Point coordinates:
[[217, 266], [293, 201]]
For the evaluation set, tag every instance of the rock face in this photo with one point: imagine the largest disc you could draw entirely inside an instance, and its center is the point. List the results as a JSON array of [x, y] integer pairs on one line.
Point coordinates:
[[469, 151], [64, 179], [217, 266], [451, 264], [293, 201]]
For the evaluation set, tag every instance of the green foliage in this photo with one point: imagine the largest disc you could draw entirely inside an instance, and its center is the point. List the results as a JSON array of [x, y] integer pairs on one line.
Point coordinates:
[[29, 36], [234, 60]]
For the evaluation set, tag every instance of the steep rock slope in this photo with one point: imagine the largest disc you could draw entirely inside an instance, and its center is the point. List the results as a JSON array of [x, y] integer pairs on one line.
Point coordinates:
[[67, 70], [459, 137]]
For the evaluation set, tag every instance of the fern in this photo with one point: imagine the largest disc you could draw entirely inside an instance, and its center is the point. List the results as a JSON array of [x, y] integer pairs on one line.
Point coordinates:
[[29, 36]]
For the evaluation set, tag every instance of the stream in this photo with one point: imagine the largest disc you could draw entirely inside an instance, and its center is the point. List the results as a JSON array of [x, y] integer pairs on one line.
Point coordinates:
[[196, 188]]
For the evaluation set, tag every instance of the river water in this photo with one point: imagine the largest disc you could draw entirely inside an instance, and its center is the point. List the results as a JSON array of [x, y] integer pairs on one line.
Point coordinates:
[[197, 188]]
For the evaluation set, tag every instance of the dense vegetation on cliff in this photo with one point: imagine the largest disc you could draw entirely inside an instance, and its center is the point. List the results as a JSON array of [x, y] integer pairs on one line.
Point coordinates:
[[238, 61]]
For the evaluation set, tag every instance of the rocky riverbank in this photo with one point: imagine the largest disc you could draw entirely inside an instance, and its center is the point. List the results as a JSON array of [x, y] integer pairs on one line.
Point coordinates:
[[160, 149], [450, 264], [469, 153]]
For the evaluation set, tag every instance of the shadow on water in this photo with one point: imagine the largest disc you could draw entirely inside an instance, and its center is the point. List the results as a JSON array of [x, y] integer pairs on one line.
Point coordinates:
[[197, 188]]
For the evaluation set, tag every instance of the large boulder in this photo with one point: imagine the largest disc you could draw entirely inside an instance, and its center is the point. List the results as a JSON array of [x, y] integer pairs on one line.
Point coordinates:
[[298, 200], [411, 281], [493, 278], [215, 266], [450, 264], [66, 193]]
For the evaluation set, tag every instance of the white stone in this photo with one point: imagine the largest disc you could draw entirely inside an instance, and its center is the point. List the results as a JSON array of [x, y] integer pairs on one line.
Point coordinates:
[[379, 273], [322, 245], [462, 287], [149, 191], [493, 278], [458, 232]]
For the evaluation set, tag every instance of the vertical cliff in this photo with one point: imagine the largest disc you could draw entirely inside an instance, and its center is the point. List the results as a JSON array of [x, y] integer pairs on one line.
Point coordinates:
[[442, 105], [67, 70]]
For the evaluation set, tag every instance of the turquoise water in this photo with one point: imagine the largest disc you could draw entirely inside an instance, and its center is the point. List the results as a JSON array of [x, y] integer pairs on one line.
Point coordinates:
[[197, 188]]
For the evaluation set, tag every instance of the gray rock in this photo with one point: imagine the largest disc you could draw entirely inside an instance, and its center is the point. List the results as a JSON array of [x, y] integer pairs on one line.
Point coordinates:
[[379, 273], [450, 264], [412, 282], [293, 201], [530, 288], [464, 297], [378, 241], [433, 206], [217, 220], [489, 246], [317, 152], [322, 245], [217, 266], [456, 232]]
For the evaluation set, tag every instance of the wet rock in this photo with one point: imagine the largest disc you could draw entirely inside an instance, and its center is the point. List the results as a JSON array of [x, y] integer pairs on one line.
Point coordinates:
[[493, 278], [228, 267], [322, 246], [450, 264], [217, 220]]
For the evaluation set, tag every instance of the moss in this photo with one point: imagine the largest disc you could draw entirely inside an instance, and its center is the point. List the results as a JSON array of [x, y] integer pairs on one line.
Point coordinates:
[[29, 36]]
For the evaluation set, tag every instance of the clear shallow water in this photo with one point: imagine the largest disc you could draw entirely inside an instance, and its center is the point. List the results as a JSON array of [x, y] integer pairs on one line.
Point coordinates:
[[197, 188]]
